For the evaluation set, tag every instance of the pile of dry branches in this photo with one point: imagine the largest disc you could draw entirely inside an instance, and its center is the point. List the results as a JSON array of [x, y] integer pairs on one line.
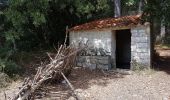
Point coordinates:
[[59, 66]]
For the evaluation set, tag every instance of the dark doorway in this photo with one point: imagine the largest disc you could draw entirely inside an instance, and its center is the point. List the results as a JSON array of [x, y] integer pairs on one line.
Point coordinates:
[[123, 49]]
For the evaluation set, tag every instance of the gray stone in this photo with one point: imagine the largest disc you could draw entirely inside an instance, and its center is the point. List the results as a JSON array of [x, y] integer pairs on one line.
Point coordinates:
[[141, 31], [104, 67], [134, 31], [81, 59], [140, 39], [102, 52], [79, 64], [103, 61], [143, 55], [140, 50], [133, 48], [142, 45], [138, 34], [134, 34], [89, 65], [102, 57], [93, 61], [91, 52]]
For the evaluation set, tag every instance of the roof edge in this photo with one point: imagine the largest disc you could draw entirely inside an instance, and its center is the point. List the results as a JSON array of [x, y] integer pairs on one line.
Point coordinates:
[[122, 21]]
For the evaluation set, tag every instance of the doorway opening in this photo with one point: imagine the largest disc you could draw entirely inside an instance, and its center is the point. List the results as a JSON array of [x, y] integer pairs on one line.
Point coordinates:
[[123, 49]]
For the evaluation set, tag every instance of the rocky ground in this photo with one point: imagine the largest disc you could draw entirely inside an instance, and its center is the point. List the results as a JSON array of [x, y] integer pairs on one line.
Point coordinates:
[[94, 85], [151, 84], [145, 85]]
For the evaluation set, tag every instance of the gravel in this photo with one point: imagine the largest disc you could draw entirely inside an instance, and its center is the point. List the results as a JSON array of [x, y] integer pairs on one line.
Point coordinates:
[[94, 85], [145, 85], [133, 87]]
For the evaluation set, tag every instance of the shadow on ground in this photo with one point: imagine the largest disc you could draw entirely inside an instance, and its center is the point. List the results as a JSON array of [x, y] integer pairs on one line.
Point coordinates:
[[162, 64], [81, 79], [162, 60]]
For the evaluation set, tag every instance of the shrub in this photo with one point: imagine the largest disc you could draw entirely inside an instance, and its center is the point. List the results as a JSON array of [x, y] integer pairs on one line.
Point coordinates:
[[9, 67]]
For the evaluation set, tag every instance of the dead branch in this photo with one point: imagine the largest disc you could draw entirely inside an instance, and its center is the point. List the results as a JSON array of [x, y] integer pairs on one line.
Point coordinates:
[[71, 86], [5, 96], [59, 66]]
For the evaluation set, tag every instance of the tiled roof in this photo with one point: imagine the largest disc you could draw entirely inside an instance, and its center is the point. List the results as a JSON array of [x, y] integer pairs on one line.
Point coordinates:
[[109, 23]]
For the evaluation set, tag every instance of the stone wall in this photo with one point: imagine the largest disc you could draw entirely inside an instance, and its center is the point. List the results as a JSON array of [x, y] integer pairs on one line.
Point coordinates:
[[140, 47], [105, 41], [94, 39], [101, 53], [94, 62]]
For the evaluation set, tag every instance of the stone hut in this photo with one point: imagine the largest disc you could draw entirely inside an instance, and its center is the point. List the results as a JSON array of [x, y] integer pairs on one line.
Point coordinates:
[[121, 42]]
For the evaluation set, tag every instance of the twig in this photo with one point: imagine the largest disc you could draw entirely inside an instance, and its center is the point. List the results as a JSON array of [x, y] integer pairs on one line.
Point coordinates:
[[62, 62], [71, 86], [66, 35], [5, 95], [49, 56]]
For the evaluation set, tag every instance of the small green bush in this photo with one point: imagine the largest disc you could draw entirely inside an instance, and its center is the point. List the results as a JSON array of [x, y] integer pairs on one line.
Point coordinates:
[[9, 67], [137, 66]]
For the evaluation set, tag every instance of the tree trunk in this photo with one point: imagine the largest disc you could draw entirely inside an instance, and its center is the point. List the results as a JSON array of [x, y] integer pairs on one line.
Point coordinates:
[[117, 8], [140, 6], [167, 35]]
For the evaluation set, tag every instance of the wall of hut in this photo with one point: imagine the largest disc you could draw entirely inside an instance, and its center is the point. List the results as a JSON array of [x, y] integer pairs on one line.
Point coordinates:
[[140, 47], [100, 53]]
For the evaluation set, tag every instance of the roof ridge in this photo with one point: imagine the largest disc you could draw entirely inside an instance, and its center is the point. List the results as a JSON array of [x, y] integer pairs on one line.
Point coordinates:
[[108, 22]]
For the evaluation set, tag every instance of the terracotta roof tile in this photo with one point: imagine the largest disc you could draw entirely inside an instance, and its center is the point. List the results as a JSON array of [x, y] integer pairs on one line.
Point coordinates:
[[108, 23]]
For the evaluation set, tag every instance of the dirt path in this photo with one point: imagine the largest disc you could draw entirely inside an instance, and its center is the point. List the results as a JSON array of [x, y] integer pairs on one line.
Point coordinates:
[[94, 85], [155, 86], [146, 85]]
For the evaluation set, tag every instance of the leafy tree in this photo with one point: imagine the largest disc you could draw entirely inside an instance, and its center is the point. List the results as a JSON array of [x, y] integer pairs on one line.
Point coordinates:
[[42, 22], [29, 24]]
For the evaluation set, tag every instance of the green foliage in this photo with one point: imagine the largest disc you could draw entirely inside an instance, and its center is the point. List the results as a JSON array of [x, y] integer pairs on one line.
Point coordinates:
[[9, 67], [43, 22], [30, 24], [159, 10]]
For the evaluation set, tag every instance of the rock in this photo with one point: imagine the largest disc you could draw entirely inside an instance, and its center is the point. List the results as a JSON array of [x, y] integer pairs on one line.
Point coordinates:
[[103, 62], [102, 52], [104, 67], [89, 65], [93, 62], [79, 64]]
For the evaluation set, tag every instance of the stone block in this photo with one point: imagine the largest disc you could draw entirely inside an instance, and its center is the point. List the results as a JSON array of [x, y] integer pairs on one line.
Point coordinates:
[[133, 55], [134, 31], [81, 59], [79, 64], [133, 48], [143, 55], [102, 62], [102, 57], [142, 45], [140, 39], [141, 50], [141, 31], [92, 62], [139, 34], [104, 67], [89, 65], [135, 34]]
